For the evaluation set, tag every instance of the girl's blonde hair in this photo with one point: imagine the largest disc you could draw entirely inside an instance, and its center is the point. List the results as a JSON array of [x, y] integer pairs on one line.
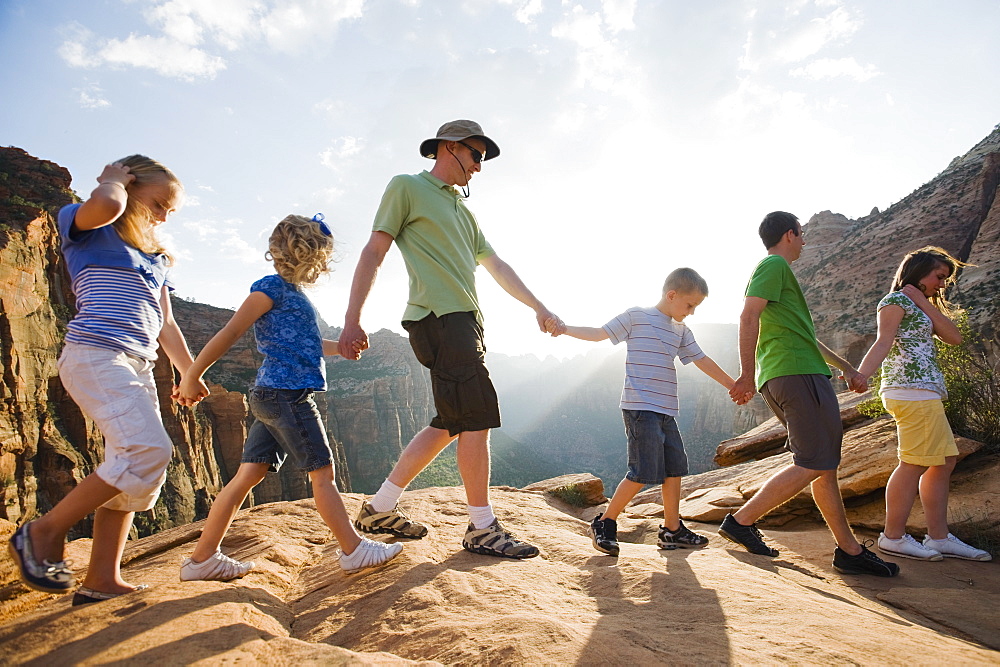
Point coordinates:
[[135, 225], [917, 264], [301, 250]]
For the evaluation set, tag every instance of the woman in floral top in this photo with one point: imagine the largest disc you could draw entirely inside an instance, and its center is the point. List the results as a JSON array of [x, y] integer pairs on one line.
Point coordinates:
[[913, 392]]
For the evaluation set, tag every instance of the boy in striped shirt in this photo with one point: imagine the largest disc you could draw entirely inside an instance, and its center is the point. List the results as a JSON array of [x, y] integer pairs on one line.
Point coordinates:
[[654, 337]]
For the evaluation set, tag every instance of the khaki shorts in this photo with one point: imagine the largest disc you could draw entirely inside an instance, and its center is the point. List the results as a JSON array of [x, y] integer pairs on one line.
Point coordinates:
[[807, 406], [925, 437], [451, 346], [117, 391]]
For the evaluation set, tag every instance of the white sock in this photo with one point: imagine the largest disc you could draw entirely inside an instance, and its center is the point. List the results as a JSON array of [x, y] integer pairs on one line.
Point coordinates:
[[386, 498], [481, 516]]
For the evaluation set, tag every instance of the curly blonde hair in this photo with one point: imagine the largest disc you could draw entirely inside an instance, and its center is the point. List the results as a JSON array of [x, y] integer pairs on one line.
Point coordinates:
[[300, 250], [136, 225]]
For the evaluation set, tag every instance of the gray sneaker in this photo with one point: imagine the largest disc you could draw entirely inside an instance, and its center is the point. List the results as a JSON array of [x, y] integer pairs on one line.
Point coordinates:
[[495, 540], [393, 522]]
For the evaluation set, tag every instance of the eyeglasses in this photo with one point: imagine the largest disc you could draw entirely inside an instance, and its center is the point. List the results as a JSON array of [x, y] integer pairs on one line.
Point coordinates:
[[477, 156], [318, 219]]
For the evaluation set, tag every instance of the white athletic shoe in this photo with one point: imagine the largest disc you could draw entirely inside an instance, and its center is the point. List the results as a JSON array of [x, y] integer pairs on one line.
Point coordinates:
[[368, 554], [217, 567], [952, 547], [907, 547]]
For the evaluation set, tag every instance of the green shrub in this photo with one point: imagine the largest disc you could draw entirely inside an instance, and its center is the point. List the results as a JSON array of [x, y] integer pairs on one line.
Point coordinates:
[[570, 494]]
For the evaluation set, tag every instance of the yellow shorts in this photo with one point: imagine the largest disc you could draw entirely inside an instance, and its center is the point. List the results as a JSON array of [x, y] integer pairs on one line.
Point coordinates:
[[925, 437]]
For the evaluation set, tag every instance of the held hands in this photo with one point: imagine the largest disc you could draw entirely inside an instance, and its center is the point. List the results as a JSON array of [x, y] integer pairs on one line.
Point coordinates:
[[190, 391], [742, 390], [549, 322], [554, 326], [856, 382], [352, 342]]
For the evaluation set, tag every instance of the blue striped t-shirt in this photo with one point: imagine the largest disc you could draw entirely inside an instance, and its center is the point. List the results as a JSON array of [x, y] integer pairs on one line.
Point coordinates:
[[653, 340], [117, 289]]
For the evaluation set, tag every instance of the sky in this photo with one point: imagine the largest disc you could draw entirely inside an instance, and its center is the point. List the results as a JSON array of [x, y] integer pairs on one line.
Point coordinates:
[[635, 136]]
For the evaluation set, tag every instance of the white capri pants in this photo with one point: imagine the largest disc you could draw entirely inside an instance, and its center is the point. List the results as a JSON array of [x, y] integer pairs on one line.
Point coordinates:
[[117, 391]]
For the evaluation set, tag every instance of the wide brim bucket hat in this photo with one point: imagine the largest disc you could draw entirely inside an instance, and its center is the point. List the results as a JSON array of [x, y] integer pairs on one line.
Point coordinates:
[[459, 130]]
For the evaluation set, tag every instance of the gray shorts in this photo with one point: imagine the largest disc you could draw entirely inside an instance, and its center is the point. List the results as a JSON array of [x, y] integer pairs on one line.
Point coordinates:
[[807, 406], [655, 449]]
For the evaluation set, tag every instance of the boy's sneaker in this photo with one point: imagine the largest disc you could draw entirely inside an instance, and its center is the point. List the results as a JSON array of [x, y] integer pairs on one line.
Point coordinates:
[[952, 547], [604, 534], [45, 576], [865, 562], [393, 522], [368, 554], [682, 537], [217, 567], [906, 547], [495, 540], [747, 537]]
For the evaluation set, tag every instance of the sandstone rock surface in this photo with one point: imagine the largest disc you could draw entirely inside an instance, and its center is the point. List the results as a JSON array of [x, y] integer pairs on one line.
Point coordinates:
[[768, 438], [572, 605]]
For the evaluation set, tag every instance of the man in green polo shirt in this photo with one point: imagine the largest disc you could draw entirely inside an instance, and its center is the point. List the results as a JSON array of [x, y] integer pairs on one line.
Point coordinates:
[[778, 344], [442, 244]]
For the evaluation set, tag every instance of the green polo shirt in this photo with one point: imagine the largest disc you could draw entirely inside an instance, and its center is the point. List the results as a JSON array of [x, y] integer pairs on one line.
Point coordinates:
[[440, 241], [786, 344]]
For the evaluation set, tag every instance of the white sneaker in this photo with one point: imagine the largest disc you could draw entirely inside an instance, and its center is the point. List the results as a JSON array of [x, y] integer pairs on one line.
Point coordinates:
[[952, 547], [368, 554], [217, 567], [907, 547]]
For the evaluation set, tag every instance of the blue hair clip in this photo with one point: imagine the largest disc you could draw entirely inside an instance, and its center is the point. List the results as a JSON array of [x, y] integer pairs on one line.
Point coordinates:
[[318, 219]]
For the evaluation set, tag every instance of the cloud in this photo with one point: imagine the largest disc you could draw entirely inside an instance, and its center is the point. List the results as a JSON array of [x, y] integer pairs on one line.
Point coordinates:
[[343, 148], [188, 39], [829, 68], [782, 35], [92, 97], [603, 63], [161, 54], [225, 235], [618, 14]]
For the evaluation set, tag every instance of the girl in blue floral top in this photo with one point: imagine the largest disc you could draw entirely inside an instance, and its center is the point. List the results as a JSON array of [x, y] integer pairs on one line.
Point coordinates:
[[288, 422], [913, 392]]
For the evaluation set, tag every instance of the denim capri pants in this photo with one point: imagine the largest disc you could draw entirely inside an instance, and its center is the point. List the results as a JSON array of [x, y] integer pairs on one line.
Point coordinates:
[[288, 424]]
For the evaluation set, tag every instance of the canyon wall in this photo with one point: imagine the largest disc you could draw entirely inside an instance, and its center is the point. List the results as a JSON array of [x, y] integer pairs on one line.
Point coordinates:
[[847, 265]]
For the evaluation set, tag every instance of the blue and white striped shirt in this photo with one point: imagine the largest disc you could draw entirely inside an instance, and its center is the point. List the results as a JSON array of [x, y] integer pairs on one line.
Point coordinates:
[[117, 289], [653, 341]]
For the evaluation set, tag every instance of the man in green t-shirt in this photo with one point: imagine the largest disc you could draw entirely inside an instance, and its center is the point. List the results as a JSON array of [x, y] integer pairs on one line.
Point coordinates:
[[781, 357], [442, 244]]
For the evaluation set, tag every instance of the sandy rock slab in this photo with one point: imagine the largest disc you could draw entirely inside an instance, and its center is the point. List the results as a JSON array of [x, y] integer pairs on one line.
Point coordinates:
[[439, 603]]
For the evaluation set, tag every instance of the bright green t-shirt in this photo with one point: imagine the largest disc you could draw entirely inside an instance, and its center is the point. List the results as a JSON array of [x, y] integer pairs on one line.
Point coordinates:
[[440, 241], [786, 344]]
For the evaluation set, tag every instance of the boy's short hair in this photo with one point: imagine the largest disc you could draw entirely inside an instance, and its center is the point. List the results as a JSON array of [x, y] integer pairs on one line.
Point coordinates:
[[774, 226], [686, 281]]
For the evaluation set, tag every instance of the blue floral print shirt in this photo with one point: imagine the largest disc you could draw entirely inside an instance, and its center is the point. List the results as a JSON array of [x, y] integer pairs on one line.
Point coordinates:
[[289, 338]]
